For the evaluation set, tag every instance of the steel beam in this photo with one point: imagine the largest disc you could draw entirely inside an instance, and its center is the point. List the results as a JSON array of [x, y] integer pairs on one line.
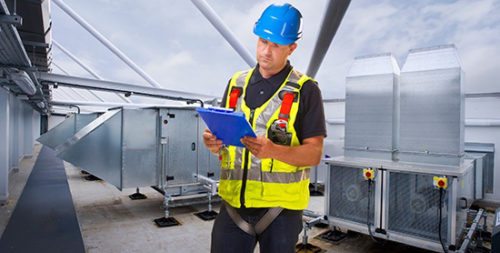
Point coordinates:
[[75, 59], [14, 20], [217, 22], [130, 89], [101, 104], [331, 21], [106, 42], [87, 68]]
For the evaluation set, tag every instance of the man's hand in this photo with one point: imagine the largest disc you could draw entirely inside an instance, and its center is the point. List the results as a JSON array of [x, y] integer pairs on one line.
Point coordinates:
[[211, 142], [261, 147], [306, 154]]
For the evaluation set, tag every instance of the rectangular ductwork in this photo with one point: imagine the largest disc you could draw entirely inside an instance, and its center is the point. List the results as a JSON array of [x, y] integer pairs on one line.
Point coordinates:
[[372, 107], [70, 126], [432, 107], [143, 147]]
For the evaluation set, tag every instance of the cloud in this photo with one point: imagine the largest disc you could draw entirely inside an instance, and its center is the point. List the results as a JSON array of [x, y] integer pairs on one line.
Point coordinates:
[[174, 43]]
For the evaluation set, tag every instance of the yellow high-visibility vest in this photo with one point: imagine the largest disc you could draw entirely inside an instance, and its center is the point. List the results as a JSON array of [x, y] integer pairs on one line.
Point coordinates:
[[269, 182]]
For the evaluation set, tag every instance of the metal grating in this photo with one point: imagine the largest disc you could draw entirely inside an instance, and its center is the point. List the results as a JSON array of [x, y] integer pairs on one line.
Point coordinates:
[[349, 195], [413, 206]]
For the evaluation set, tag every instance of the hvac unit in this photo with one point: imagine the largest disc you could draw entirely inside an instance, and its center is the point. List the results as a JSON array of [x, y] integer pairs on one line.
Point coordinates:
[[159, 147], [408, 128]]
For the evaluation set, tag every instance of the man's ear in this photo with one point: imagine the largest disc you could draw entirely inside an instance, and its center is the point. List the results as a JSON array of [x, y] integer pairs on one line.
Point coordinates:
[[292, 48]]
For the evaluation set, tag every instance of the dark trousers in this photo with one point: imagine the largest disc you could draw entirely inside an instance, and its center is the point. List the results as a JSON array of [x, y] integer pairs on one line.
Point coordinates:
[[281, 235]]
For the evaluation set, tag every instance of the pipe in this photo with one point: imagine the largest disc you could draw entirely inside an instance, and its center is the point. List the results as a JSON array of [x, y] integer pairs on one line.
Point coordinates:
[[87, 68], [335, 121], [217, 22], [468, 122], [467, 95], [74, 58], [482, 122], [483, 95], [70, 106], [128, 89], [333, 17], [472, 230], [77, 107], [106, 42], [103, 104]]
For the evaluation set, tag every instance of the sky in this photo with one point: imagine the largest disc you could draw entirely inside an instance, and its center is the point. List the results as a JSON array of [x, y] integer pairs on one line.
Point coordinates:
[[177, 46]]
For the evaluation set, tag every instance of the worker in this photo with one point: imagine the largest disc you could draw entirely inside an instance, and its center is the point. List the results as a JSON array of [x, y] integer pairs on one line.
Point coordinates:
[[265, 185]]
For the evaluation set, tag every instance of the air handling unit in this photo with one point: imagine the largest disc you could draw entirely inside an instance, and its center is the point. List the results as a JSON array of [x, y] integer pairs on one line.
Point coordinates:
[[157, 147], [403, 176]]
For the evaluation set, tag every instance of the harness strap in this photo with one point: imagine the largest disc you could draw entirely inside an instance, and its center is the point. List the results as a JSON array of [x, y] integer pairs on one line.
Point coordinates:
[[242, 224], [233, 97], [261, 225], [267, 219], [286, 106]]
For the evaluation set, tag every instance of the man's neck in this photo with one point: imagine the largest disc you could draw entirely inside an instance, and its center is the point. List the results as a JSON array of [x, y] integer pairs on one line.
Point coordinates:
[[268, 74]]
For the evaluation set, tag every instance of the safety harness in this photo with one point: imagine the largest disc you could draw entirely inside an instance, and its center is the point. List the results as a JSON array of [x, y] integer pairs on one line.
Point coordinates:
[[278, 133], [234, 96], [260, 226]]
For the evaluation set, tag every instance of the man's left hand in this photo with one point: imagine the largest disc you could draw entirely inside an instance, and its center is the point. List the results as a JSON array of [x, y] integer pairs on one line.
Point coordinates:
[[261, 147]]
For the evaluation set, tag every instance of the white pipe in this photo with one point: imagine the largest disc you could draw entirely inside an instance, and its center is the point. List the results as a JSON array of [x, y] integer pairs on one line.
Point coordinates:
[[335, 121], [87, 68], [217, 22], [468, 122], [106, 104], [106, 42], [74, 58], [482, 122]]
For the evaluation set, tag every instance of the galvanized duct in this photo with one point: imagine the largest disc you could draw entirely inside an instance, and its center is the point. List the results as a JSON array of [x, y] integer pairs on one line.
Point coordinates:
[[159, 147], [372, 107], [432, 107]]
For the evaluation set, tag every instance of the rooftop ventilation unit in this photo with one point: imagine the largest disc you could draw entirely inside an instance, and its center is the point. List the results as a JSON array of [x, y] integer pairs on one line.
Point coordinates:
[[408, 132]]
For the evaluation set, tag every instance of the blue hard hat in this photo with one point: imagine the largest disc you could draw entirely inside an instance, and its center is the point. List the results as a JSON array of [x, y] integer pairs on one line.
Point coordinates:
[[281, 24]]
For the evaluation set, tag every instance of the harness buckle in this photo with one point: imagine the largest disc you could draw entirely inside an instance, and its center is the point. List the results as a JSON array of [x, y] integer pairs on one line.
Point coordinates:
[[278, 132]]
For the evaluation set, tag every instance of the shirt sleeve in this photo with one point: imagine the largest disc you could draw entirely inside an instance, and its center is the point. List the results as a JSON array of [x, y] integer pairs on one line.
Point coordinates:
[[311, 116]]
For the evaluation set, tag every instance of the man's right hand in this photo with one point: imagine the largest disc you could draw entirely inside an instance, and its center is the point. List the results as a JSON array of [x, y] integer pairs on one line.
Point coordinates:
[[211, 142]]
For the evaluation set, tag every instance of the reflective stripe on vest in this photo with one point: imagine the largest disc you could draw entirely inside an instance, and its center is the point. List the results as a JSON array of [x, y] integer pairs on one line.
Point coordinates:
[[266, 176], [261, 123], [269, 182]]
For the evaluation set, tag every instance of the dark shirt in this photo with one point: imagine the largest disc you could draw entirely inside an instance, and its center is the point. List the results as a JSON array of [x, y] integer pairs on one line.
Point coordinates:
[[310, 120]]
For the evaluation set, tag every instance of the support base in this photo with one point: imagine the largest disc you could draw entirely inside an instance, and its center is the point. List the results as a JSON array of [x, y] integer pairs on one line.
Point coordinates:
[[307, 248], [206, 215], [166, 222]]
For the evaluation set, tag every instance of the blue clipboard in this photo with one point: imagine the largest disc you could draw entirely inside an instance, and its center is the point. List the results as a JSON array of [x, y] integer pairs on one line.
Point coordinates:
[[228, 126]]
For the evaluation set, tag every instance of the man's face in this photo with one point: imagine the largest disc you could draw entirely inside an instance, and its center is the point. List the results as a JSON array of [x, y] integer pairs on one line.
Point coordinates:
[[271, 56]]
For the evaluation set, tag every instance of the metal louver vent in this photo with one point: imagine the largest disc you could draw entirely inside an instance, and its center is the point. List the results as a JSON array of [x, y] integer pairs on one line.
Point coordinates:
[[349, 195], [413, 206]]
